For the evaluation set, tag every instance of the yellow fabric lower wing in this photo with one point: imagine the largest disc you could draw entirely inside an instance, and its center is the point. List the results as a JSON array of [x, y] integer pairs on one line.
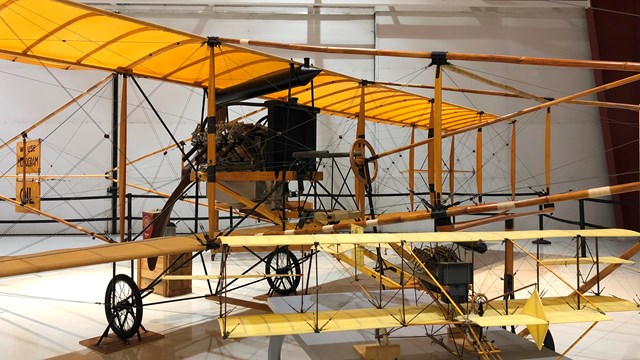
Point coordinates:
[[553, 317], [575, 316], [333, 320], [613, 304], [537, 315], [102, 254], [506, 320], [557, 310], [564, 303]]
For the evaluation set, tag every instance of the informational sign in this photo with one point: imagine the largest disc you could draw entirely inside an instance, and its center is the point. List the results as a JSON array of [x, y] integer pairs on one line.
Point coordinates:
[[27, 193], [29, 161]]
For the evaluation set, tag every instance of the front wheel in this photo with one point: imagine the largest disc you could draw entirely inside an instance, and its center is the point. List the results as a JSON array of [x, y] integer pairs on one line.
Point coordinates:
[[123, 306]]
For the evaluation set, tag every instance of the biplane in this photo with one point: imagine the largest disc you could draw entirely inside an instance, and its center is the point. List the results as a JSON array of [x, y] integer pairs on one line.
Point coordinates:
[[267, 170]]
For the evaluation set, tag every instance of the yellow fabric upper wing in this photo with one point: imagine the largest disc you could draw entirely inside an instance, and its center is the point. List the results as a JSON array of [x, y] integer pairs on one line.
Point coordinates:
[[338, 94], [67, 34]]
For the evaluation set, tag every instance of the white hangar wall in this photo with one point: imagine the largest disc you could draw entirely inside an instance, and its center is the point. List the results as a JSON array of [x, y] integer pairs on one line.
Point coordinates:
[[29, 93], [577, 160]]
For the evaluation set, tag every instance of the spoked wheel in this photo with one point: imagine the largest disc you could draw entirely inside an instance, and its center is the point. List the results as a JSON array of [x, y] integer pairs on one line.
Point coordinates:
[[283, 262], [123, 306]]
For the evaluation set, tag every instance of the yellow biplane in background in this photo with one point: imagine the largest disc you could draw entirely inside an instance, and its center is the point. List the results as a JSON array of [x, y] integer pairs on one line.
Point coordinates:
[[266, 170]]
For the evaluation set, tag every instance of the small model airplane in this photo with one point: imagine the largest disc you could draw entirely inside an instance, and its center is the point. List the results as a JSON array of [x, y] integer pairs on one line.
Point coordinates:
[[266, 170]]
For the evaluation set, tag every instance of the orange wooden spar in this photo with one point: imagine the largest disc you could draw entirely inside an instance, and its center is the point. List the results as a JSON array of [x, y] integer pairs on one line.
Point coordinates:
[[211, 146], [430, 158], [386, 219], [547, 151], [452, 173], [360, 134], [60, 220], [512, 172], [479, 164], [504, 216], [249, 114], [122, 173], [52, 177], [412, 166], [507, 59], [437, 136]]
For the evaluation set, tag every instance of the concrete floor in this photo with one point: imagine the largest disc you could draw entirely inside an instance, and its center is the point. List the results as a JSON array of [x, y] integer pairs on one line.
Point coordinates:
[[46, 315]]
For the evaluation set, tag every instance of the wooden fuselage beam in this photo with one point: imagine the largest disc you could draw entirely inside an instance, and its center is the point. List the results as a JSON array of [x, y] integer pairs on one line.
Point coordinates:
[[479, 165], [243, 176], [512, 170], [430, 156], [452, 172], [547, 151], [360, 134], [412, 169], [211, 144], [122, 173], [437, 137]]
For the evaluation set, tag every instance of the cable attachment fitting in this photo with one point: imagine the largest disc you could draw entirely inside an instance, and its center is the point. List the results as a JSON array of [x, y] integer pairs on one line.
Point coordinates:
[[439, 58], [212, 41], [365, 82], [209, 243]]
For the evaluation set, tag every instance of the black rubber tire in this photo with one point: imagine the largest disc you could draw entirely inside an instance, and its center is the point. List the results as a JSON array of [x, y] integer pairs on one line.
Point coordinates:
[[123, 306], [282, 261], [548, 341]]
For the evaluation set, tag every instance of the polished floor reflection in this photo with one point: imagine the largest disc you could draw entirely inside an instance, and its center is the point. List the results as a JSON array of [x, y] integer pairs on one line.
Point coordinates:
[[46, 315]]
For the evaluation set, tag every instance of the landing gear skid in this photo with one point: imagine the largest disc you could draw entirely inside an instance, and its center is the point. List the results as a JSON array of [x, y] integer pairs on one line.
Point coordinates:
[[123, 309]]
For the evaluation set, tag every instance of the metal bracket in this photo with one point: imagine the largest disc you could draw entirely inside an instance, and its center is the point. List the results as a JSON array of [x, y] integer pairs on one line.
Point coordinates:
[[439, 58], [213, 41]]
